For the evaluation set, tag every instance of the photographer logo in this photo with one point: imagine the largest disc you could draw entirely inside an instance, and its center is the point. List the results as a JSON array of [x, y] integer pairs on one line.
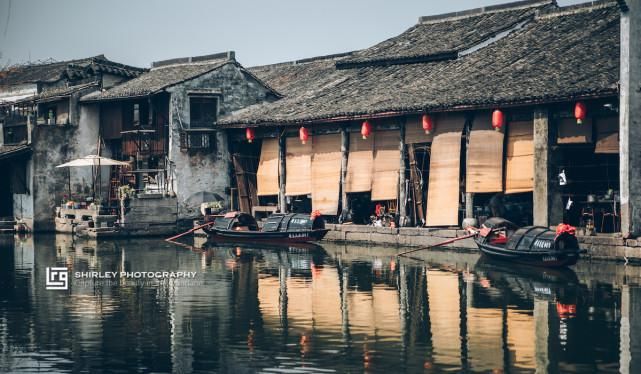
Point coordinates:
[[57, 279]]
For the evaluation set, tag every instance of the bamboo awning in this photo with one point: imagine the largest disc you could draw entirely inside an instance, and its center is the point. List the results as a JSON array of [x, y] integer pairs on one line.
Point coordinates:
[[570, 132], [326, 173], [607, 137], [519, 160], [484, 171], [359, 164], [445, 164], [267, 175], [386, 165], [298, 176]]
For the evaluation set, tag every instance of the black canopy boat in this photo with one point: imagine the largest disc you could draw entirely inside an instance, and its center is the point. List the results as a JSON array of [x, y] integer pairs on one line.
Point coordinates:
[[279, 228], [532, 245]]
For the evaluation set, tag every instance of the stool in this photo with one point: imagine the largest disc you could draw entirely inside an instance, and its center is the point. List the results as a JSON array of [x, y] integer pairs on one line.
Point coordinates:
[[587, 213], [614, 217]]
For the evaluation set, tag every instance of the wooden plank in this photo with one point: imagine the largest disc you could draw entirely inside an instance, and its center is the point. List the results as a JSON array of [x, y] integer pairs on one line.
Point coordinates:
[[299, 164], [360, 163], [386, 166], [445, 165], [267, 175], [326, 173], [607, 138], [519, 158], [241, 183]]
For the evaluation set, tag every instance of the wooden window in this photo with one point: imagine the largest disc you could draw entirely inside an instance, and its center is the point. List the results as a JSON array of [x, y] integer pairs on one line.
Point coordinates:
[[203, 111]]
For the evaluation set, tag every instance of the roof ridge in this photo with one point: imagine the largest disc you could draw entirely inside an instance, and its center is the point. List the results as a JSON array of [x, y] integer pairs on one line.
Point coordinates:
[[577, 8], [305, 60], [524, 4], [194, 60]]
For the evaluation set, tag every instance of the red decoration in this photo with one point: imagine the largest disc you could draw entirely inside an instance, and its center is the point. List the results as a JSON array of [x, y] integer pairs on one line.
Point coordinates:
[[249, 134], [565, 228], [498, 120], [428, 124], [303, 133], [580, 112], [366, 129]]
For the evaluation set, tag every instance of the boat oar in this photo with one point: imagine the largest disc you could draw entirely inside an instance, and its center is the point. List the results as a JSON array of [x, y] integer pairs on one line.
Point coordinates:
[[189, 231], [438, 244]]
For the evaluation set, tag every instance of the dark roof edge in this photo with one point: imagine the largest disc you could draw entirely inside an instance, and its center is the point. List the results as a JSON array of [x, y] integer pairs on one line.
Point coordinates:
[[385, 61], [229, 55], [304, 60], [484, 10], [437, 109], [578, 8]]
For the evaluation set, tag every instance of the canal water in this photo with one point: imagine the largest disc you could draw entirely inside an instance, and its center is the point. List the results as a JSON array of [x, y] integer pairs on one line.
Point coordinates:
[[333, 308]]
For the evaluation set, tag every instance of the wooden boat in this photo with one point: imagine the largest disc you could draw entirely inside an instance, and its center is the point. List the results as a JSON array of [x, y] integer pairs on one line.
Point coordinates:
[[279, 228], [531, 245]]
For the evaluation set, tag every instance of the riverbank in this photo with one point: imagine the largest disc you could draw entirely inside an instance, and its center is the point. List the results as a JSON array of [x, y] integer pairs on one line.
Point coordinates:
[[602, 247]]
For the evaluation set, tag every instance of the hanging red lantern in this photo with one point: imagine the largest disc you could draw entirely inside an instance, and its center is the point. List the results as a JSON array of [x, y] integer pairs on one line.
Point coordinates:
[[366, 129], [428, 124], [250, 135], [498, 120], [580, 112], [303, 133]]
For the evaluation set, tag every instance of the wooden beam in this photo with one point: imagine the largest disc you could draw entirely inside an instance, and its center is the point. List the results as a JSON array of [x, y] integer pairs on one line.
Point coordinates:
[[402, 177]]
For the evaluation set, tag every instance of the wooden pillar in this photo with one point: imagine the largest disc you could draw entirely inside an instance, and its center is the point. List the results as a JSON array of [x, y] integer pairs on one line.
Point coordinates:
[[402, 178], [345, 211], [282, 158], [547, 202]]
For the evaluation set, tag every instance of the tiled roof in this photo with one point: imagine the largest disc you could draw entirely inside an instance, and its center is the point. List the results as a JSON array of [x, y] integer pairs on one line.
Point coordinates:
[[73, 70], [560, 54], [166, 74], [443, 36]]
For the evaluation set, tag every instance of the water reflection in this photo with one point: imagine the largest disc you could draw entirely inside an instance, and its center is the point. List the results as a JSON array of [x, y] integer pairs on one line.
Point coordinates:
[[310, 308]]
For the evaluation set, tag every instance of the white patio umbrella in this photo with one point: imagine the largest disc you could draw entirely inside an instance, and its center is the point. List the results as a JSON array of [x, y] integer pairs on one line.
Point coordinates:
[[94, 161]]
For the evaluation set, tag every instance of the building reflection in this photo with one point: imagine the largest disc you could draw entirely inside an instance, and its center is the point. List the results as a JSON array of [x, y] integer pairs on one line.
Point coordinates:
[[293, 307]]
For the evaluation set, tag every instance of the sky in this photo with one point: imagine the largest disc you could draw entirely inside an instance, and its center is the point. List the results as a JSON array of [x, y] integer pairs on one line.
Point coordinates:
[[261, 32]]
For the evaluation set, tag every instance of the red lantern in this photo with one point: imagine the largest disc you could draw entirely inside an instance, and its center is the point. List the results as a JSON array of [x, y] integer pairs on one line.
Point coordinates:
[[366, 129], [303, 133], [498, 120], [580, 112], [428, 124], [249, 134]]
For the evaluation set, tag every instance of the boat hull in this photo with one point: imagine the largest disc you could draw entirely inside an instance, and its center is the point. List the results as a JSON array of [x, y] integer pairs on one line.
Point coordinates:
[[276, 237], [536, 258]]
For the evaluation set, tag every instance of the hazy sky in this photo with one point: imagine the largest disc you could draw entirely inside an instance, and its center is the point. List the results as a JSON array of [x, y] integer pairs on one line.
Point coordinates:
[[261, 32]]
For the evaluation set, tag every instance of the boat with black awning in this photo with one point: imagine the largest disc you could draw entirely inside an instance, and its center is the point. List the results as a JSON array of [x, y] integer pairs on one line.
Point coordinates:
[[532, 245], [279, 228]]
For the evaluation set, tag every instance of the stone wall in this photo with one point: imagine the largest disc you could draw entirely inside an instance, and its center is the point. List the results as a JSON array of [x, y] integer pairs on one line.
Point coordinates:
[[56, 144], [199, 171], [598, 247]]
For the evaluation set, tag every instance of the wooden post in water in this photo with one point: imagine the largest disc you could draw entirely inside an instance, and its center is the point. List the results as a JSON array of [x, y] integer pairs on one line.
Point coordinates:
[[282, 161], [402, 178], [345, 208]]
